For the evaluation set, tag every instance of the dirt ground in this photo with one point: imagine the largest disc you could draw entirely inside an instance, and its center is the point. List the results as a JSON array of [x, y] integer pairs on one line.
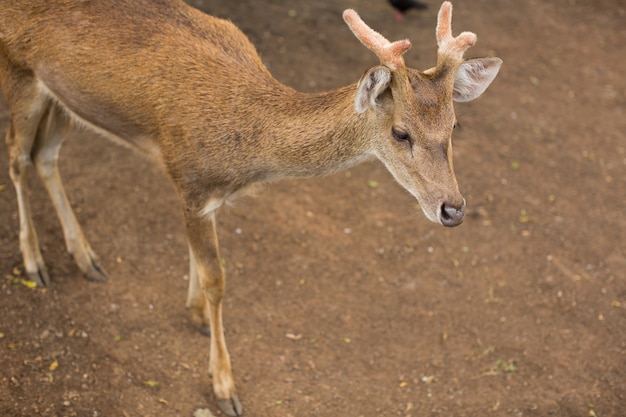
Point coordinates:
[[342, 298]]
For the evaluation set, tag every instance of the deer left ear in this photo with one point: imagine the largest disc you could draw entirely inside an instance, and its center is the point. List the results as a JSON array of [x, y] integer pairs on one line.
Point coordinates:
[[371, 85], [473, 77]]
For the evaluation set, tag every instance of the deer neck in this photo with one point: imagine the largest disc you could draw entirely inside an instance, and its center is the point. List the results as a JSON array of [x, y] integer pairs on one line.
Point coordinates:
[[316, 134]]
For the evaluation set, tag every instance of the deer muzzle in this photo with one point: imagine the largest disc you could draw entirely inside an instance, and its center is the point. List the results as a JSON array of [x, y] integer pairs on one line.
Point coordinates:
[[451, 215]]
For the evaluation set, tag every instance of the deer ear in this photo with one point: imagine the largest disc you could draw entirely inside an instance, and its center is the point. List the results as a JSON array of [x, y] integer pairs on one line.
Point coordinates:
[[371, 85], [473, 77]]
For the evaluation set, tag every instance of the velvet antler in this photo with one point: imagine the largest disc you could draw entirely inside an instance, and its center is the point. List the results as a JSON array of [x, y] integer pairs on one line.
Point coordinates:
[[449, 46], [389, 53]]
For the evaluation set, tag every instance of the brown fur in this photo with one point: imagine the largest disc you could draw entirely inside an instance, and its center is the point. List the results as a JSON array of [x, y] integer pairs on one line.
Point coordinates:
[[189, 91]]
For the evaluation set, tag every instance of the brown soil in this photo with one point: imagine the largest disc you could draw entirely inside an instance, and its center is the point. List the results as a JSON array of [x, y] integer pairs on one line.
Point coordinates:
[[342, 299]]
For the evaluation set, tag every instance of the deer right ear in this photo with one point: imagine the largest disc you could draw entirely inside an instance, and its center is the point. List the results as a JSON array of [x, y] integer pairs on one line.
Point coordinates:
[[371, 85]]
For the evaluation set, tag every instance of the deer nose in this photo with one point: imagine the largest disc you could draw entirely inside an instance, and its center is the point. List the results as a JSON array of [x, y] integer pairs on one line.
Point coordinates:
[[452, 215]]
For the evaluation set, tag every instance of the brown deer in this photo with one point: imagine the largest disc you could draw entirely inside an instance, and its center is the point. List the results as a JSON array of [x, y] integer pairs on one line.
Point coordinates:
[[190, 91]]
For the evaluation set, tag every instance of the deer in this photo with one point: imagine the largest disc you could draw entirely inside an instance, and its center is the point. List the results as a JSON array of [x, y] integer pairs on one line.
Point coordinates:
[[190, 92]]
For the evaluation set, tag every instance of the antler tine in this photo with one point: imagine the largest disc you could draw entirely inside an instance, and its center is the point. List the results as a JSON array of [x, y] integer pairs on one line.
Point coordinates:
[[448, 45], [389, 53]]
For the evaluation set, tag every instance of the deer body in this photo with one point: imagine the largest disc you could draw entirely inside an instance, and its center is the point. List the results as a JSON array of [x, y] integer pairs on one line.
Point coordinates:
[[188, 88], [190, 91]]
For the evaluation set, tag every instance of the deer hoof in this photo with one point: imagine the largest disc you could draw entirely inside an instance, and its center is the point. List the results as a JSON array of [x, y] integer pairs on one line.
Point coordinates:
[[96, 272], [40, 276], [231, 406], [206, 330]]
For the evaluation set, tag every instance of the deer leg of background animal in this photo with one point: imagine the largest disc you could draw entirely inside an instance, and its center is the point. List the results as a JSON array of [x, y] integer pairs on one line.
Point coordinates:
[[205, 297], [27, 109], [52, 132]]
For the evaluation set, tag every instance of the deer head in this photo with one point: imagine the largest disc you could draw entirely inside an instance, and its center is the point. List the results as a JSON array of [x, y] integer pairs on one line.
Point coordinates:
[[414, 111]]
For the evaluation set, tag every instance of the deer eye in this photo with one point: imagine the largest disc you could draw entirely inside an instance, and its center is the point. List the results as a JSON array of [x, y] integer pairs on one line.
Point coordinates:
[[400, 135]]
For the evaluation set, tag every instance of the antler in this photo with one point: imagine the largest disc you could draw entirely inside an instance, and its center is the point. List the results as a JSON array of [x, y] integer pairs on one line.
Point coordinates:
[[390, 54], [449, 46]]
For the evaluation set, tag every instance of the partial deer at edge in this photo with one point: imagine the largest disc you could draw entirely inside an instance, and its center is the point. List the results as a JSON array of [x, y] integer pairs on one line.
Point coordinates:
[[190, 91]]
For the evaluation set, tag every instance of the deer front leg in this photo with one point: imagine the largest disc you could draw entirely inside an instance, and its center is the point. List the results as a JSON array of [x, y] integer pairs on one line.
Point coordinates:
[[206, 289], [196, 299]]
